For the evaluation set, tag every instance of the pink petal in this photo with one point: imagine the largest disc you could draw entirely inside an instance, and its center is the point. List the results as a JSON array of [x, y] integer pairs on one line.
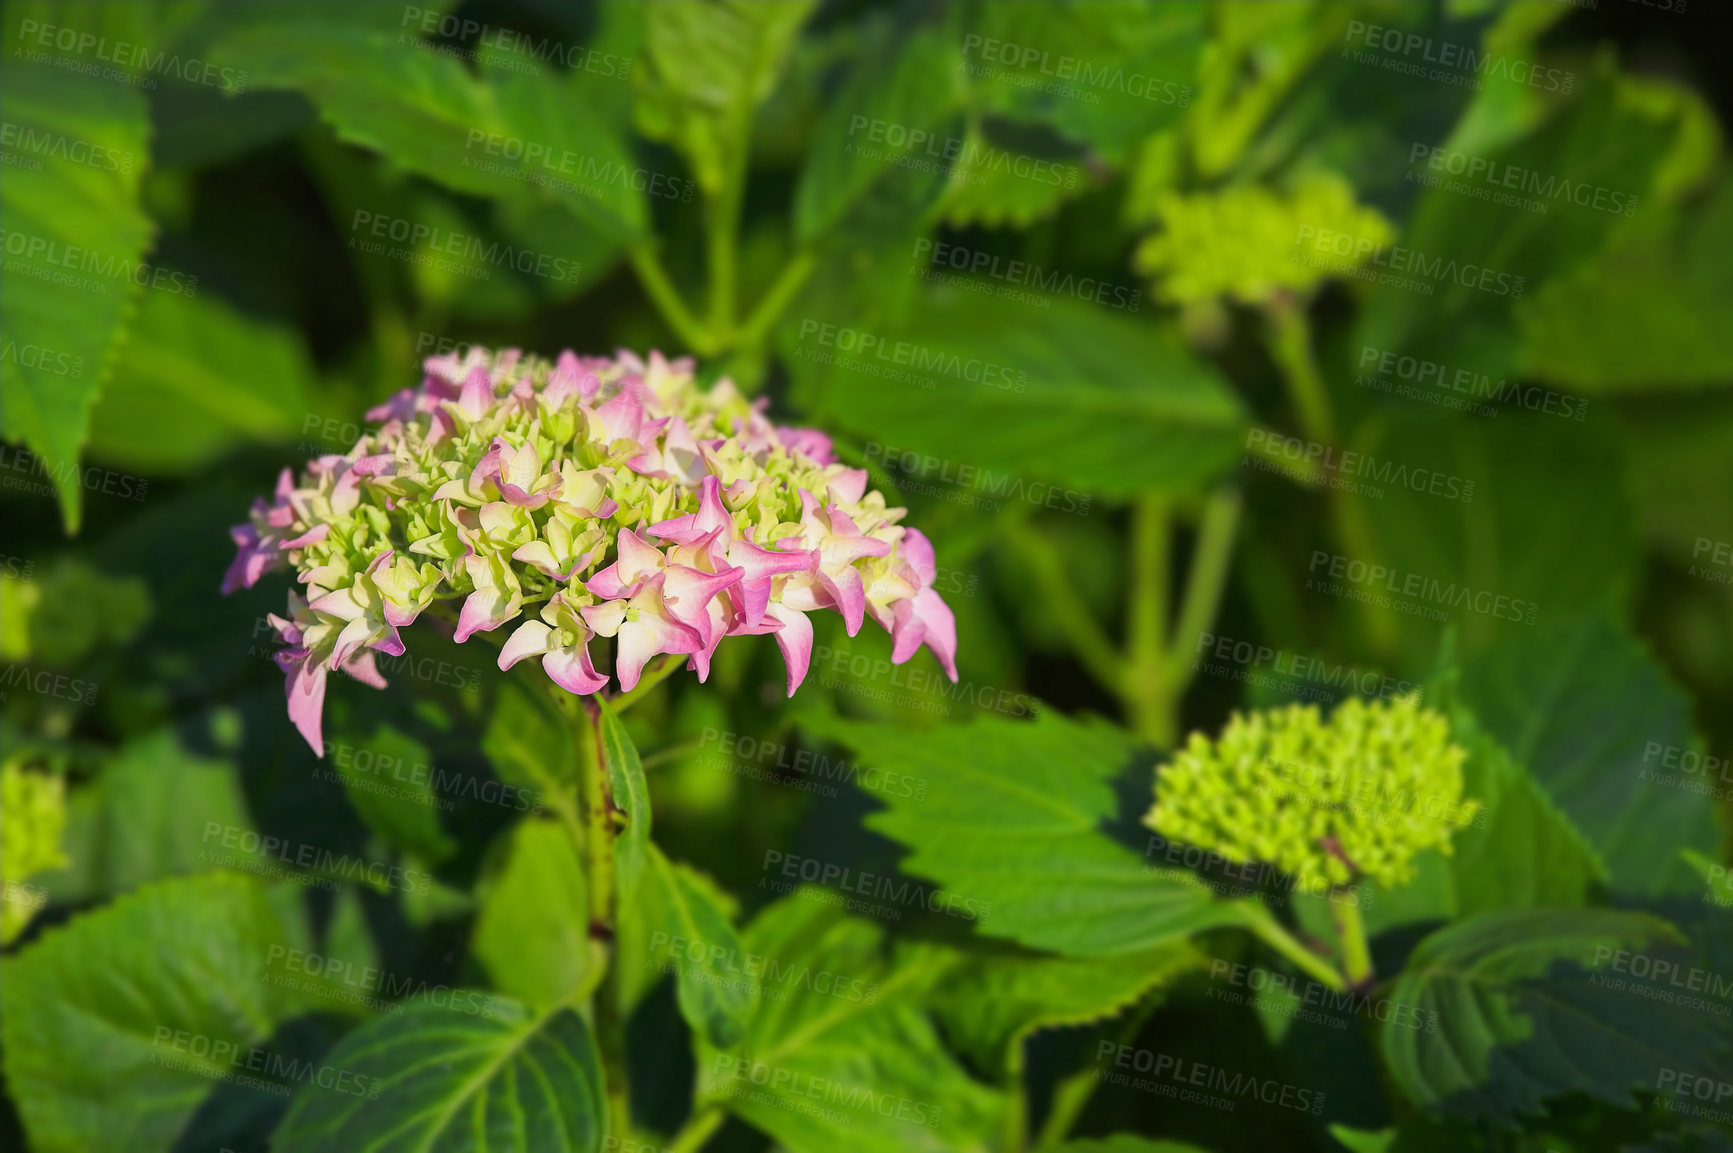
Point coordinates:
[[526, 640], [573, 672], [794, 638], [847, 594], [306, 691], [361, 667]]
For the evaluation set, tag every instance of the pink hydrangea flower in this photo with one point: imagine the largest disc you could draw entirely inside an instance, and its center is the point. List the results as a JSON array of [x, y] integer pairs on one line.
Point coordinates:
[[589, 498]]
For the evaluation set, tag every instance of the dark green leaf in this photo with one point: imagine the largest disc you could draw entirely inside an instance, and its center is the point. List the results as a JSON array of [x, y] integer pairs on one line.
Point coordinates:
[[680, 923], [497, 1081], [532, 933], [1529, 1010], [632, 795]]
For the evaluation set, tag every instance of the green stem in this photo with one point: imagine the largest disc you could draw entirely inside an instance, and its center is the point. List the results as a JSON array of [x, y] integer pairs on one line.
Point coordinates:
[[1087, 639], [667, 300], [697, 1130], [1351, 936], [775, 300], [1149, 696], [1204, 583], [1015, 1135], [1269, 930]]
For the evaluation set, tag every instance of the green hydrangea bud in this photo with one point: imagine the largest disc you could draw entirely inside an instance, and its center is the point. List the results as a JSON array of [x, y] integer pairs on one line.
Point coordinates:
[[1326, 801], [1243, 242], [32, 817]]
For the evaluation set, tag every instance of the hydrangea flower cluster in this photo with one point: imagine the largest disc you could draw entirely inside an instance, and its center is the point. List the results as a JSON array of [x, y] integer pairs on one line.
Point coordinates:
[[1357, 796], [591, 497]]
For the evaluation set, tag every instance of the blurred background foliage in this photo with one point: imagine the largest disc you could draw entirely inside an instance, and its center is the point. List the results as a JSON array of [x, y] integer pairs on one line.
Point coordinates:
[[285, 235]]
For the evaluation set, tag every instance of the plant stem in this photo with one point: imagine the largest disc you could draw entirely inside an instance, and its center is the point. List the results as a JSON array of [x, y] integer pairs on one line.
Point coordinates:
[[667, 300], [1265, 926], [1087, 640], [1351, 935], [1149, 696], [1015, 1136], [775, 300], [1204, 583], [697, 1130]]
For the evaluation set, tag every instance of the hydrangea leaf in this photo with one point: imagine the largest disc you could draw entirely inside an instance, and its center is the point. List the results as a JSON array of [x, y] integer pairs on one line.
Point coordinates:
[[1101, 406], [1528, 1011], [76, 237], [631, 794], [198, 379], [430, 115], [505, 1081], [1013, 819], [532, 933], [675, 904], [837, 1053], [1591, 714], [93, 1010], [397, 802], [991, 1001]]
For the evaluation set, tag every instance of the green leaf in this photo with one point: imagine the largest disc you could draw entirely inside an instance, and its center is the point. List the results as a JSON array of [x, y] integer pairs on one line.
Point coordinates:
[[98, 1014], [1100, 72], [1523, 853], [677, 904], [146, 818], [528, 743], [1127, 1143], [910, 84], [76, 239], [632, 794], [393, 790], [503, 1081], [1581, 704], [1515, 534], [1644, 314], [532, 933], [990, 1002], [198, 379], [996, 183], [841, 1056], [497, 136], [1527, 1013], [1070, 396], [712, 63], [1012, 821]]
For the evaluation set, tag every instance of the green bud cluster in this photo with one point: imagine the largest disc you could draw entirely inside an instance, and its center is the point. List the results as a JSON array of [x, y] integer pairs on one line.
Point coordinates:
[[32, 819], [1356, 796]]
